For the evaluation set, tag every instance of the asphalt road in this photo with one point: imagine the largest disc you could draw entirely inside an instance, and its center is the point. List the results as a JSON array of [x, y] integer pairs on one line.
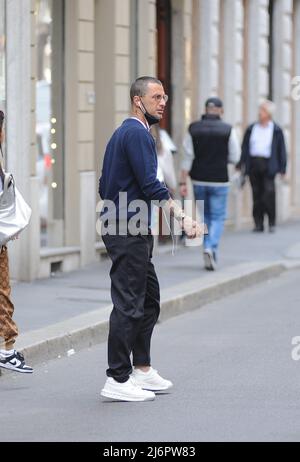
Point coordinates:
[[230, 361]]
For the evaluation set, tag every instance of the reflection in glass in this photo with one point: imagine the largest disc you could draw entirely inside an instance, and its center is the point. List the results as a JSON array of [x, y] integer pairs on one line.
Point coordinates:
[[2, 57], [49, 118]]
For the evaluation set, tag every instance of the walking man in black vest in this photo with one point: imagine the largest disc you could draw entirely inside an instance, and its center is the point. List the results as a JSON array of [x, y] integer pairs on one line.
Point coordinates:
[[209, 146], [263, 157]]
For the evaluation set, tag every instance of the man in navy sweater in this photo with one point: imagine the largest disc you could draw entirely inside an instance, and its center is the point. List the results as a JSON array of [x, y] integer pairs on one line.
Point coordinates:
[[129, 183]]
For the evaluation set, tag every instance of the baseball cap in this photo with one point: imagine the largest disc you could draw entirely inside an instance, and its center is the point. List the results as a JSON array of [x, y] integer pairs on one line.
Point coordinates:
[[214, 102]]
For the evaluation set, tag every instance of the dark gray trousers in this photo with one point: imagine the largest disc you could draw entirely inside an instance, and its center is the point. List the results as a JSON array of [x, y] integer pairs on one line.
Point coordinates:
[[136, 303]]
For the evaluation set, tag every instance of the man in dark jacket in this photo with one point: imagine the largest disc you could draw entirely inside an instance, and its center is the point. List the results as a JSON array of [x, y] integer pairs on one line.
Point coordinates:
[[263, 157]]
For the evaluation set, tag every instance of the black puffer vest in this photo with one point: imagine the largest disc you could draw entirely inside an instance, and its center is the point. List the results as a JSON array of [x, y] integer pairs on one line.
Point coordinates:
[[210, 137]]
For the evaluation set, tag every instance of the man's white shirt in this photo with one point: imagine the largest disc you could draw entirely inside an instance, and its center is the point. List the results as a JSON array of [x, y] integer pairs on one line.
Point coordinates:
[[141, 122], [261, 140]]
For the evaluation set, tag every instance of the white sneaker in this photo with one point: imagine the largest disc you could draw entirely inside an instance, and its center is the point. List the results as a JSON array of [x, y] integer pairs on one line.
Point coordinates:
[[209, 261], [151, 380], [127, 391]]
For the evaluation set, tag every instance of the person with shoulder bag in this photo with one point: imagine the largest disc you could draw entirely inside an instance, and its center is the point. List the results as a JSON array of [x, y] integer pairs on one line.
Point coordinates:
[[9, 357]]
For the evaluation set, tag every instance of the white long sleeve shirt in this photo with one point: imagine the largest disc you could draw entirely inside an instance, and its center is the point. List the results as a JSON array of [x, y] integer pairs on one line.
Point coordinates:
[[261, 140]]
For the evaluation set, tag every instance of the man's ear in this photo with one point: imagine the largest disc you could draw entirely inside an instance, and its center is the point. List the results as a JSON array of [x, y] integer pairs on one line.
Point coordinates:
[[136, 101]]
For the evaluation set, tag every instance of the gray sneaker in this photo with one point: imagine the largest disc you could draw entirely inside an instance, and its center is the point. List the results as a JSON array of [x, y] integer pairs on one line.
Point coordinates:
[[272, 229], [209, 261]]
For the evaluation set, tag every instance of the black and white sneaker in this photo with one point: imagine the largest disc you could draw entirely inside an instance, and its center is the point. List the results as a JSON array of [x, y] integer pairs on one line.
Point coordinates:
[[14, 362]]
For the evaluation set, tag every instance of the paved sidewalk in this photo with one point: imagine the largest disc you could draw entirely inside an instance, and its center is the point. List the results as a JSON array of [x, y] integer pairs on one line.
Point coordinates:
[[65, 295]]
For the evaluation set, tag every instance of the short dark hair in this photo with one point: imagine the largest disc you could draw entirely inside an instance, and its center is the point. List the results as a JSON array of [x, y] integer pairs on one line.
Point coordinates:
[[214, 101], [140, 85]]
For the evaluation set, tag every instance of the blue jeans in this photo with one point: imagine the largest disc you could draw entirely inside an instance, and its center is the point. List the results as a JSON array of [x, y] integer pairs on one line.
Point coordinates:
[[215, 205]]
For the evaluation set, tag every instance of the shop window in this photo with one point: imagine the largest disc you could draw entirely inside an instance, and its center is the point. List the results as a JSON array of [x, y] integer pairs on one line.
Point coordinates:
[[2, 57], [134, 39], [50, 119], [164, 53]]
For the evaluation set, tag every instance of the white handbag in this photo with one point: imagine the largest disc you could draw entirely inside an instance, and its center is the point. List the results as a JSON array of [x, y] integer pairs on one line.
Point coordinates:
[[15, 213]]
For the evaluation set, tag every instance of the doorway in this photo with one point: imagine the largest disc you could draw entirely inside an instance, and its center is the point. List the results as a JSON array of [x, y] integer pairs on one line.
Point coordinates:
[[164, 53]]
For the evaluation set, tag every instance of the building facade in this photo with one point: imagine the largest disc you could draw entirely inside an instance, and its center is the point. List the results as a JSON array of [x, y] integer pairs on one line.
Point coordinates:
[[65, 73]]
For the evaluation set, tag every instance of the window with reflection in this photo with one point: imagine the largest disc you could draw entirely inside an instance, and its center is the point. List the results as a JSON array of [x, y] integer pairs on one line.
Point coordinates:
[[2, 57], [50, 119]]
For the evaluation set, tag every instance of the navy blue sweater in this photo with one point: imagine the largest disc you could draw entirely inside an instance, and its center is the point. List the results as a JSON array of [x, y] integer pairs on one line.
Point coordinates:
[[130, 165]]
